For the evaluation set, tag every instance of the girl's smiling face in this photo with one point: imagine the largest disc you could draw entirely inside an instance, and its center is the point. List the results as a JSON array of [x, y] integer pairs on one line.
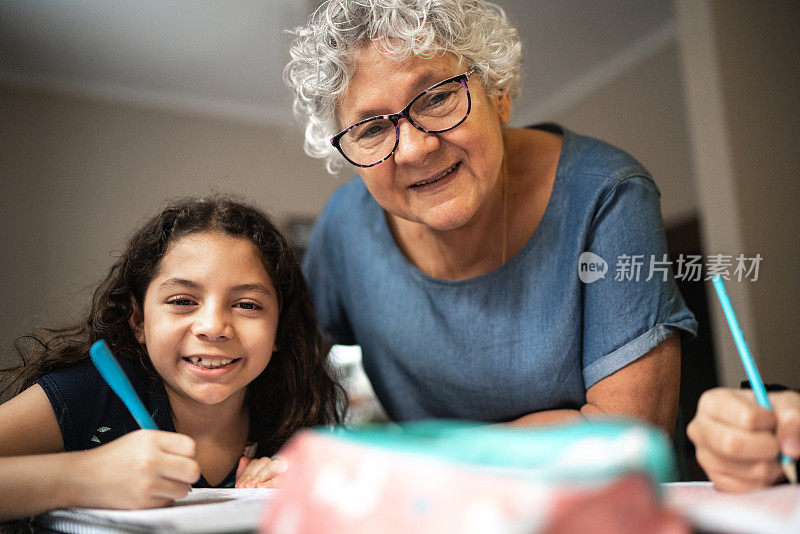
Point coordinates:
[[209, 318]]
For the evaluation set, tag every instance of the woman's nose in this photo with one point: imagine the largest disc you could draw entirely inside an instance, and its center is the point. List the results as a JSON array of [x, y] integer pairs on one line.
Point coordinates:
[[213, 323], [414, 145]]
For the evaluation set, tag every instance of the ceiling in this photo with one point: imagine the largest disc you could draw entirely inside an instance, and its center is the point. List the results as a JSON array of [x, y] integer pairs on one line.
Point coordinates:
[[225, 59]]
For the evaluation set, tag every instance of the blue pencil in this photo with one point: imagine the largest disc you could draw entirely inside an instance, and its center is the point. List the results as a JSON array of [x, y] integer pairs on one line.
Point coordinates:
[[787, 464], [112, 373]]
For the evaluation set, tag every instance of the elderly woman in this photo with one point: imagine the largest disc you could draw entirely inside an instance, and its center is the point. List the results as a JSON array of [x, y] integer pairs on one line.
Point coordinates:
[[453, 259]]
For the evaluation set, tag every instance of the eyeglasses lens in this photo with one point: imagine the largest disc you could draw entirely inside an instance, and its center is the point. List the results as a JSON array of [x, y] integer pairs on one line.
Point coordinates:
[[436, 110]]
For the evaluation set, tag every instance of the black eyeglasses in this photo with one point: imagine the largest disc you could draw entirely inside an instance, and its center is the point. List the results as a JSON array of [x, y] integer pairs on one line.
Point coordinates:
[[439, 108]]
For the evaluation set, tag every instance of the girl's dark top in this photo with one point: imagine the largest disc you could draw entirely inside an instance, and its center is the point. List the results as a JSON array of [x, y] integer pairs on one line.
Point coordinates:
[[90, 414]]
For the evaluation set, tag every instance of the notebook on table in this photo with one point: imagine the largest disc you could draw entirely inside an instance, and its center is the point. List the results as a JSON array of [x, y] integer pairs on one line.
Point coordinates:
[[203, 510]]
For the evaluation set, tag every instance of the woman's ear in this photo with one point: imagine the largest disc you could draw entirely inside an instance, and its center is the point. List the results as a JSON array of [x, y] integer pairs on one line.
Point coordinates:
[[136, 321], [503, 106]]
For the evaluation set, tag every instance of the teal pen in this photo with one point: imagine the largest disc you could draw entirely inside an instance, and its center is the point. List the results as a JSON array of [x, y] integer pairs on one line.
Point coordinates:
[[750, 366], [112, 373]]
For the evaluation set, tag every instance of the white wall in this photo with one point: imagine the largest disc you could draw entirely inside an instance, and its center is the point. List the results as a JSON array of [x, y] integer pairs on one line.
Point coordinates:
[[642, 112], [741, 76]]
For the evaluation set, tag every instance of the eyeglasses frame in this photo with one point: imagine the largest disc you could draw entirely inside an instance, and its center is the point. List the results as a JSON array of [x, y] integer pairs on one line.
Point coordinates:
[[405, 113]]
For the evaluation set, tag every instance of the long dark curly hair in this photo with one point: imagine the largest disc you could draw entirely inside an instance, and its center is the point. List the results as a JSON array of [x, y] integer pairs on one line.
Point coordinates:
[[296, 390]]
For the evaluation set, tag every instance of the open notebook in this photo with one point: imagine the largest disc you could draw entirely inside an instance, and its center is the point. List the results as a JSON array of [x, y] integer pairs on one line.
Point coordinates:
[[774, 510], [202, 511]]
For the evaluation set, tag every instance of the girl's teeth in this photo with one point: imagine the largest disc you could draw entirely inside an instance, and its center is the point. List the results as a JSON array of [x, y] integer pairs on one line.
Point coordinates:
[[209, 363]]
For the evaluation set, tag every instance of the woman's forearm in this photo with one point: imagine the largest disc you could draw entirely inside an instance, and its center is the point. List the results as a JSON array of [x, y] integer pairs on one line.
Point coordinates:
[[546, 417], [556, 416]]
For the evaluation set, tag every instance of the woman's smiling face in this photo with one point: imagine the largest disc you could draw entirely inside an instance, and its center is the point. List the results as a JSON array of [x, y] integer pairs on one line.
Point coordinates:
[[439, 180], [209, 318]]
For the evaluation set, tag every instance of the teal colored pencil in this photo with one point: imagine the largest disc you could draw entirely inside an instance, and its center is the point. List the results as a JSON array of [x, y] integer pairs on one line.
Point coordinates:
[[787, 464], [112, 373]]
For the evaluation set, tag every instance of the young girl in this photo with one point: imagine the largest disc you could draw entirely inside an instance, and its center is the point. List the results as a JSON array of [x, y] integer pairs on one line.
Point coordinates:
[[209, 316]]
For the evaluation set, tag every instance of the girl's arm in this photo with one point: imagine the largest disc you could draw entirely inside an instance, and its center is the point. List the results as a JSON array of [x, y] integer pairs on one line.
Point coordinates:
[[28, 426], [142, 469]]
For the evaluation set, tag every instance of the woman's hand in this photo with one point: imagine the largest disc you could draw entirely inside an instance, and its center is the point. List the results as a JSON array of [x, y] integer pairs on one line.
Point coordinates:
[[142, 469], [259, 473], [738, 441]]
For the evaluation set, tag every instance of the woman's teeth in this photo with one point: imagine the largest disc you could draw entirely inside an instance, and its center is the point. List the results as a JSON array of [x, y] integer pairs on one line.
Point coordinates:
[[445, 173], [208, 363]]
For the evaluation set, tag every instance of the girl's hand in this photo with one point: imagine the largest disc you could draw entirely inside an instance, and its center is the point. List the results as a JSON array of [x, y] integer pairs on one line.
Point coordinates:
[[143, 469], [259, 473], [738, 441]]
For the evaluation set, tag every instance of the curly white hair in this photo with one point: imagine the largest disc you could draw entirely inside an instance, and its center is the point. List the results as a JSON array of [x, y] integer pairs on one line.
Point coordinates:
[[476, 31]]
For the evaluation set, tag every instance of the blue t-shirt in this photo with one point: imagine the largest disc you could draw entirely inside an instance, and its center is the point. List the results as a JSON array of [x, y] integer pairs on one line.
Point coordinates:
[[90, 414], [525, 337]]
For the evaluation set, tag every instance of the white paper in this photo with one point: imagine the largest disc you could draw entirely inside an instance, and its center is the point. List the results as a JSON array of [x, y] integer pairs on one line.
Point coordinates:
[[203, 510], [774, 510]]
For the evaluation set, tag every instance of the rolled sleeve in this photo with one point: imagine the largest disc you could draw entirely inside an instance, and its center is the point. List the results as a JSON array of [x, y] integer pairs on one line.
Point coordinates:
[[630, 310]]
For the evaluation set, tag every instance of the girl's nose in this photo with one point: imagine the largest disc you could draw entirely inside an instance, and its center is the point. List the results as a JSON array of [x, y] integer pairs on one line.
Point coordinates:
[[414, 145], [213, 324]]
